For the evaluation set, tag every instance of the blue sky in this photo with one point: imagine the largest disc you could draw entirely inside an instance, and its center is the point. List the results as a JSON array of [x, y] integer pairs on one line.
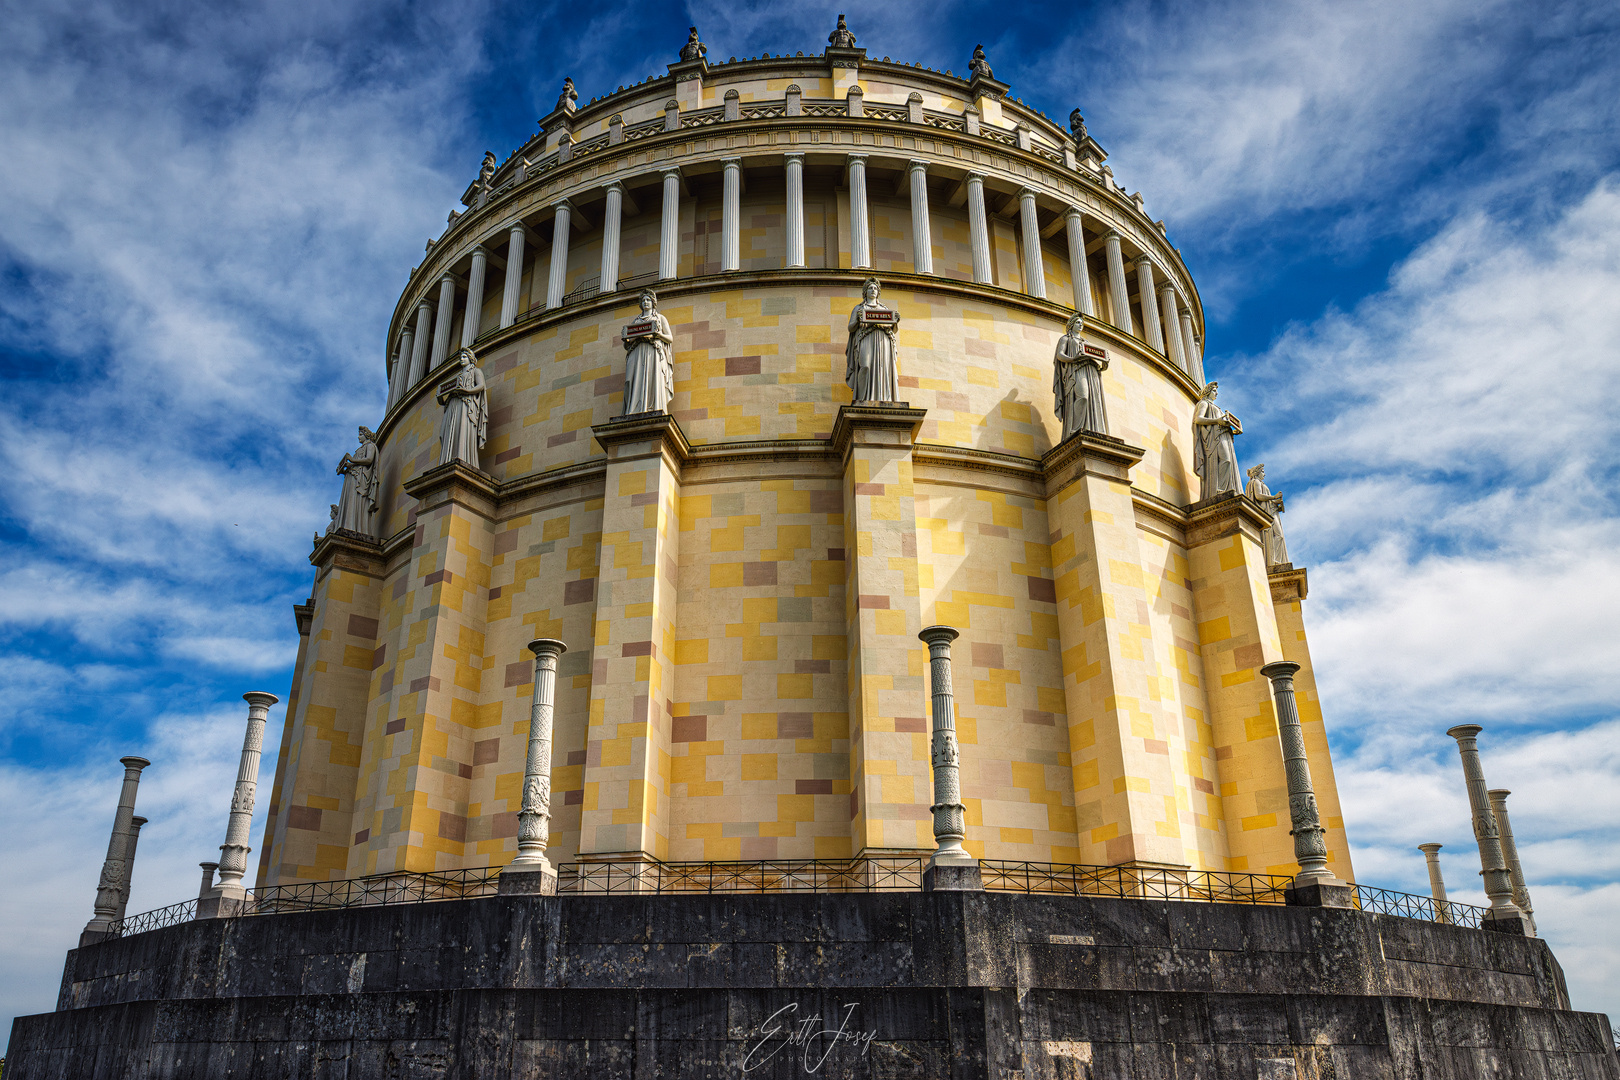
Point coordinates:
[[1404, 220]]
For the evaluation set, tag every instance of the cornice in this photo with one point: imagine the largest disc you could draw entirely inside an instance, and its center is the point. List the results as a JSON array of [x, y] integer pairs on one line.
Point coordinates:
[[342, 549], [886, 424], [1288, 583], [1225, 515], [1088, 453]]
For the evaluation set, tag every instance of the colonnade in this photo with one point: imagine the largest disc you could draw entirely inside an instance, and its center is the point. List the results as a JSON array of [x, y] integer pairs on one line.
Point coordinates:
[[1166, 326]]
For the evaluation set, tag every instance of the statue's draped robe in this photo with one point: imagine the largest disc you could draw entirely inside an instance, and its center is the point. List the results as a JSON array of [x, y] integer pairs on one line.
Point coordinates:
[[649, 371], [466, 418], [1271, 539], [1214, 456], [1077, 389], [870, 368], [357, 506]]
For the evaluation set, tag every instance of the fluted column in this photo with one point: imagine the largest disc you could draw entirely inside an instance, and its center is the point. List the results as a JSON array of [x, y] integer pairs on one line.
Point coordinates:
[[950, 867], [1172, 325], [860, 242], [1510, 851], [441, 322], [422, 342], [401, 369], [1492, 862], [1118, 291], [1151, 332], [234, 851], [978, 228], [514, 276], [531, 872], [135, 824], [612, 224], [1079, 272], [669, 239], [112, 870], [922, 237], [1437, 884], [1034, 268], [795, 208], [474, 314], [1189, 347], [730, 214], [561, 227], [1310, 847], [208, 869]]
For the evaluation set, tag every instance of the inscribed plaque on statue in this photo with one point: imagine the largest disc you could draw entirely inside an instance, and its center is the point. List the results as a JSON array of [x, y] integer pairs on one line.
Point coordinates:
[[641, 328], [879, 317]]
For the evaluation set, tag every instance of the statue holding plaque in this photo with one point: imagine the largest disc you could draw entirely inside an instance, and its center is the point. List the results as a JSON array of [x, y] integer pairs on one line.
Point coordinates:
[[1077, 382], [356, 509], [1214, 456], [649, 368], [465, 398], [870, 368], [1271, 539]]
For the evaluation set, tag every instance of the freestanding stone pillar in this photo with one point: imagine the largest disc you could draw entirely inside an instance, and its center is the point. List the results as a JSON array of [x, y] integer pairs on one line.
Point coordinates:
[[474, 312], [1175, 346], [731, 214], [922, 237], [1151, 333], [612, 228], [1315, 882], [950, 868], [669, 236], [557, 282], [1437, 884], [513, 291], [1510, 850], [135, 824], [795, 208], [112, 870], [1079, 273], [441, 323], [1118, 291], [421, 343], [208, 869], [1504, 914], [530, 872], [860, 243], [978, 228], [1034, 267], [227, 897]]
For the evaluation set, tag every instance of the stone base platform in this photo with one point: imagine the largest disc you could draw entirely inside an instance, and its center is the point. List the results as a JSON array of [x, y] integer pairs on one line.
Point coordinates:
[[970, 986]]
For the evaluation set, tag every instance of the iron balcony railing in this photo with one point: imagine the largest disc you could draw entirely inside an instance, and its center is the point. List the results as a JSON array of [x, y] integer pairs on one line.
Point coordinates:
[[894, 873]]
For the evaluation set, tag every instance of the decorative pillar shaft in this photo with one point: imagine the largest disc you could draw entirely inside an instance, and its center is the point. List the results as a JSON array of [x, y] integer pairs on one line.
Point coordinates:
[[112, 870], [441, 322], [795, 209], [730, 214], [207, 886], [1493, 864], [922, 237], [557, 283], [422, 342], [514, 276], [1510, 850], [1172, 326], [978, 229], [401, 369], [234, 851], [1437, 884], [669, 239], [860, 244], [1118, 291], [1310, 846], [1034, 268], [1189, 347], [1151, 333], [612, 223], [1079, 272], [534, 818], [135, 824], [474, 314], [950, 816]]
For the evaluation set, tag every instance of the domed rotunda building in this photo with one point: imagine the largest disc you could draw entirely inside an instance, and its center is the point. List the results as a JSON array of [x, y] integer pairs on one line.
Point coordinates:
[[739, 555]]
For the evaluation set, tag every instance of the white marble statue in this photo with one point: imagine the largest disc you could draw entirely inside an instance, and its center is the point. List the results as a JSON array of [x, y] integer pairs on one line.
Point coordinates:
[[356, 509], [649, 368], [1077, 384], [1271, 539], [465, 426], [1214, 456], [871, 369]]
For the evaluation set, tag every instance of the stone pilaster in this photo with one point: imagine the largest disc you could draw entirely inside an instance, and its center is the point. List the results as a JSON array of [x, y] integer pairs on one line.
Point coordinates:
[[627, 762], [1119, 729], [1237, 636], [889, 762], [303, 617]]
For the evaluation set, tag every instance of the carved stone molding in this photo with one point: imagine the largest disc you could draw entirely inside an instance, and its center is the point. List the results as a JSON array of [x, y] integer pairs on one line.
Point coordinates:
[[459, 483], [1287, 583], [627, 438], [1225, 515], [1088, 454], [345, 550], [875, 424]]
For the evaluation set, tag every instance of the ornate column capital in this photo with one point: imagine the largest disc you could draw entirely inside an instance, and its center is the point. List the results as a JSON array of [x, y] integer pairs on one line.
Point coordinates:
[[917, 165]]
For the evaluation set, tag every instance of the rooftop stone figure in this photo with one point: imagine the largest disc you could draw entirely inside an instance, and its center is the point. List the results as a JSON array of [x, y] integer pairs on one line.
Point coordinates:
[[871, 369], [979, 67], [841, 38], [466, 412], [1077, 126], [356, 509], [693, 49], [569, 95], [1272, 538], [1214, 456], [1077, 384], [649, 373]]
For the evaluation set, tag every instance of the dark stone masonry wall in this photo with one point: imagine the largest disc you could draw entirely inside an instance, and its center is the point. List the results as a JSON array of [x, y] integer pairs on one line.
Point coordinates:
[[926, 985]]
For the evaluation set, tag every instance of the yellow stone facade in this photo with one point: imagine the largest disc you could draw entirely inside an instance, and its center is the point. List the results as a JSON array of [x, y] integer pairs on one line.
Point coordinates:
[[740, 583]]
